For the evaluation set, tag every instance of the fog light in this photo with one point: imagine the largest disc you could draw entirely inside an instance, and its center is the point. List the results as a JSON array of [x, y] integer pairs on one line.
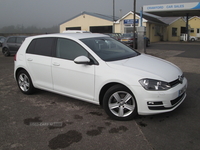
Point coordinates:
[[150, 103], [154, 103]]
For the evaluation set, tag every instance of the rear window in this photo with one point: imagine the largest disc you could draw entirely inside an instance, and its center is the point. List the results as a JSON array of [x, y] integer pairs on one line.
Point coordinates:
[[41, 46], [20, 40]]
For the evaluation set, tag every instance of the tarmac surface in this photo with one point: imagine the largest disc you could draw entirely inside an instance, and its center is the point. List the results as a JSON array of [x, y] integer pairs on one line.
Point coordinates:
[[45, 121]]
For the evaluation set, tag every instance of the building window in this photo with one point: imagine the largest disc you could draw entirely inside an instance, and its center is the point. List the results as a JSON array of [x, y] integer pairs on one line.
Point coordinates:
[[198, 30], [157, 31], [174, 31], [183, 30], [192, 30], [128, 29]]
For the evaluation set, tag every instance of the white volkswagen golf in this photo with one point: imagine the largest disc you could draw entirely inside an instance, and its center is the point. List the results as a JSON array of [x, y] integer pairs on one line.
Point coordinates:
[[100, 70]]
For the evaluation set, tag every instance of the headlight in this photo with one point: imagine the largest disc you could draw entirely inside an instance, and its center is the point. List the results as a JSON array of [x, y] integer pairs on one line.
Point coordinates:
[[154, 85]]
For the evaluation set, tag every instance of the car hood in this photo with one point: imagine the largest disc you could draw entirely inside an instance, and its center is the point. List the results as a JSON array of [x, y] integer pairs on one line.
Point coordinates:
[[146, 66]]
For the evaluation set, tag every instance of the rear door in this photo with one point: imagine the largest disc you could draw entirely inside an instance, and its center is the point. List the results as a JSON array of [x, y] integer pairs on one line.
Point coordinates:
[[73, 79], [38, 58]]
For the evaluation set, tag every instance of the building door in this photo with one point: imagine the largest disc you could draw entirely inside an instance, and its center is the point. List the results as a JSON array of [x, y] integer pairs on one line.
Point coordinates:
[[198, 32]]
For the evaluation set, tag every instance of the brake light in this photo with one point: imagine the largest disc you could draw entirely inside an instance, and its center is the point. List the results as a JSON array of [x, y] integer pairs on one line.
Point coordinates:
[[15, 58]]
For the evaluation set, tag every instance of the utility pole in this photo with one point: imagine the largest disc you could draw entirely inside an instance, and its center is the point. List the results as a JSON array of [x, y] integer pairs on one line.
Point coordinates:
[[113, 16], [134, 10], [113, 10]]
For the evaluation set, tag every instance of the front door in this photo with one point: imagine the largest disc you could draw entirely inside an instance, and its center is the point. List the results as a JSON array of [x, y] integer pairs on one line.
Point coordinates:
[[76, 80]]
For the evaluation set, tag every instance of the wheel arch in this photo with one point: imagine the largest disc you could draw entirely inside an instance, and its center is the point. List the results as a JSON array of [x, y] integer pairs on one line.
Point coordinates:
[[106, 87], [30, 88], [19, 69], [3, 47]]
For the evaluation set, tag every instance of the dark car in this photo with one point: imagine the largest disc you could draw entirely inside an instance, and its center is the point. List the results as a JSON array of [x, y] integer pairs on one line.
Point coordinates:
[[2, 39], [116, 36], [128, 39], [12, 44]]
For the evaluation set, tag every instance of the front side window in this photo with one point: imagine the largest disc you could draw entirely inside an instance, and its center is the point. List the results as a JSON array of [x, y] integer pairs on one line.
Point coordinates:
[[109, 49], [68, 49]]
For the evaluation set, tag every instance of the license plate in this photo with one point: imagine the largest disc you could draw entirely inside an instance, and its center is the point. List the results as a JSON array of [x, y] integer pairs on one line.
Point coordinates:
[[182, 91], [125, 40]]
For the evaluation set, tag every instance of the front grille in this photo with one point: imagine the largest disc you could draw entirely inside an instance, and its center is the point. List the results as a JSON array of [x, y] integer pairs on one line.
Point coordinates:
[[156, 107], [176, 101], [176, 82]]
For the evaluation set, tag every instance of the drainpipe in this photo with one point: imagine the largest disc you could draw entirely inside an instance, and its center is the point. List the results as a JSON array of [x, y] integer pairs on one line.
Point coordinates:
[[113, 16], [187, 33], [134, 29]]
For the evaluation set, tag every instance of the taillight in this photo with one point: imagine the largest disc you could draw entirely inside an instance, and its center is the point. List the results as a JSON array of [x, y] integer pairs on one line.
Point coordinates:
[[15, 58]]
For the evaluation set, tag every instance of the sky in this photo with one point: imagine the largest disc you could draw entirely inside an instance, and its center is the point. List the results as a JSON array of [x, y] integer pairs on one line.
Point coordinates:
[[48, 13]]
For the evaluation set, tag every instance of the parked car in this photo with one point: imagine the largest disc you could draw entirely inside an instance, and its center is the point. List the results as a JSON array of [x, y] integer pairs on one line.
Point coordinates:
[[12, 44], [116, 36], [193, 38], [128, 39], [101, 70], [2, 39]]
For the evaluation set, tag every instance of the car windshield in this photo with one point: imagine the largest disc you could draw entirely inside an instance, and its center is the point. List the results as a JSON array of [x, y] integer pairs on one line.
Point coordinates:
[[109, 49]]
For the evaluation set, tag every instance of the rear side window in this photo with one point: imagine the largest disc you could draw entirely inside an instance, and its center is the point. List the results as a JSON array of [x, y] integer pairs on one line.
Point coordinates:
[[11, 40], [41, 46]]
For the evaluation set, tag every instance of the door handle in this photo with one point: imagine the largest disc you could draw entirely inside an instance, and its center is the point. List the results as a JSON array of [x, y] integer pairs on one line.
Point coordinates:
[[56, 64], [30, 59]]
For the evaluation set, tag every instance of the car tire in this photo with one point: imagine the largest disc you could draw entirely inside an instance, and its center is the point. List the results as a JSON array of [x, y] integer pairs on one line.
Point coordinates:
[[6, 52], [192, 39], [25, 83], [119, 103]]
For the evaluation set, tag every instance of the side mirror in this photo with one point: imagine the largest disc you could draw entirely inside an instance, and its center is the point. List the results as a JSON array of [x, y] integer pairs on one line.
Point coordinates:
[[82, 60]]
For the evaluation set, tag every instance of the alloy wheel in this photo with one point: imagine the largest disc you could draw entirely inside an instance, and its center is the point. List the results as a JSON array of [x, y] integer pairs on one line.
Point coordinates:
[[24, 82], [121, 104]]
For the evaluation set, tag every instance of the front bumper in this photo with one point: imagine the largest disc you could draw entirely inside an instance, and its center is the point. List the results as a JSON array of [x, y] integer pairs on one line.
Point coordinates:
[[155, 102]]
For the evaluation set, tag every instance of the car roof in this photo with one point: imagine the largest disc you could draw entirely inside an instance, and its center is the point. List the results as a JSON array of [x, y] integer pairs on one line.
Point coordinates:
[[71, 35], [18, 36], [76, 31]]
